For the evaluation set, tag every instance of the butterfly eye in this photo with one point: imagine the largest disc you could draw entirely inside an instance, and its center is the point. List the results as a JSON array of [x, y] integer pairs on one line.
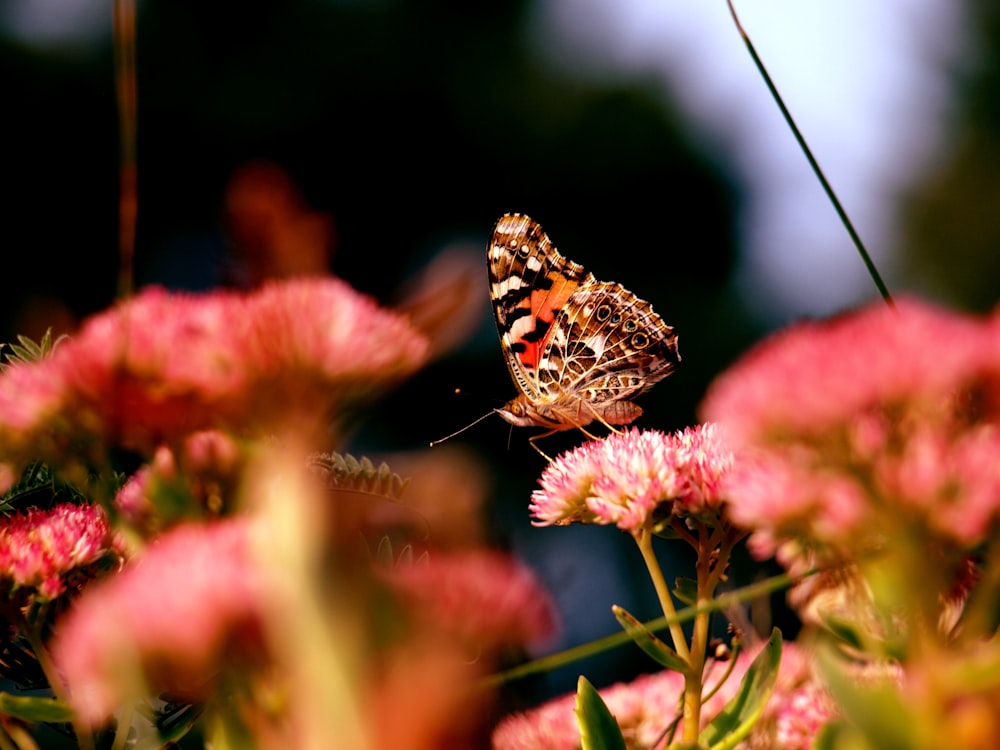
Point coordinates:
[[603, 313], [616, 318], [640, 340], [631, 325]]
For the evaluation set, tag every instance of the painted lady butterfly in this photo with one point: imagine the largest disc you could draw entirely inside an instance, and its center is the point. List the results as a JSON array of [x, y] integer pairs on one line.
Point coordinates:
[[578, 349]]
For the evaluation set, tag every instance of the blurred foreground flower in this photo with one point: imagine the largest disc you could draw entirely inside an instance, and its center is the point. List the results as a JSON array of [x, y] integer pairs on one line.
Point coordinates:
[[172, 621], [480, 599], [874, 420], [163, 365], [465, 614], [867, 449], [870, 433], [200, 477]]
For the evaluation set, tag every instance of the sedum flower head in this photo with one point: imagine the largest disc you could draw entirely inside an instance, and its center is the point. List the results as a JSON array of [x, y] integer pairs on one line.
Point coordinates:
[[877, 423], [807, 379], [625, 478], [163, 365], [45, 552], [168, 622]]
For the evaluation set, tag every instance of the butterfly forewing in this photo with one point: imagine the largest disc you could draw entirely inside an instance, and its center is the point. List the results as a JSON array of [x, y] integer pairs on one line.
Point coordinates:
[[529, 283]]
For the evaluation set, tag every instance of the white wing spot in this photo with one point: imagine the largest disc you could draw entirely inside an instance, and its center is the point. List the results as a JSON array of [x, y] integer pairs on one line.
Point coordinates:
[[505, 285]]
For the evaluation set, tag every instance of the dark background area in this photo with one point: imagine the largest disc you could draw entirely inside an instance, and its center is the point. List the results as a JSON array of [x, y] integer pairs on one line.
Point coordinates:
[[415, 125]]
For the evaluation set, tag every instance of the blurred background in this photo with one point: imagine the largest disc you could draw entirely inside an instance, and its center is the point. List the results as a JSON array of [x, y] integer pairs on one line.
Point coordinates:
[[379, 140]]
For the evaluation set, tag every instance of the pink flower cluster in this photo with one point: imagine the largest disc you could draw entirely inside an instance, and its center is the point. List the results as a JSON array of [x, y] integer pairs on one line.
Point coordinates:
[[483, 599], [625, 477], [850, 427], [45, 552], [162, 365], [813, 376], [169, 622], [206, 468], [645, 707]]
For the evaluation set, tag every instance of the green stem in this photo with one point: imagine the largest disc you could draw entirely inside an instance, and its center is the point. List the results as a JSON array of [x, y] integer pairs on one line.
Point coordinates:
[[644, 538], [124, 724], [693, 680], [841, 213], [32, 632], [621, 638], [713, 550]]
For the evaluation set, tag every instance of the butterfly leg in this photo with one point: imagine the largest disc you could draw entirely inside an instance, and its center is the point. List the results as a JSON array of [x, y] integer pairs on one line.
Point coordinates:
[[531, 442]]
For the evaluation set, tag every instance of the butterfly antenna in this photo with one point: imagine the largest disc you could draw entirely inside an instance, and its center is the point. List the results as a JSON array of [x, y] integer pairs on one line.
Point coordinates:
[[459, 432]]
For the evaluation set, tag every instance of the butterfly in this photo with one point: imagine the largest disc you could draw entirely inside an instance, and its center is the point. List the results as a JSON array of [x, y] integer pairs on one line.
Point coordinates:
[[578, 350]]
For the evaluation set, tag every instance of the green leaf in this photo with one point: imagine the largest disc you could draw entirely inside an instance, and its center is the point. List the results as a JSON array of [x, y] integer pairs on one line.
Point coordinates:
[[659, 651], [29, 351], [735, 721], [345, 472], [844, 631], [35, 708], [839, 735], [598, 728], [686, 591]]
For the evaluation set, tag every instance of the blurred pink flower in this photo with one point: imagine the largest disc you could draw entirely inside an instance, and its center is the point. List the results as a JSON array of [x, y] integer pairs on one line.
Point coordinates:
[[851, 429], [201, 476], [162, 365], [809, 377], [483, 599], [45, 552], [798, 717], [132, 500], [625, 477], [645, 707], [169, 622]]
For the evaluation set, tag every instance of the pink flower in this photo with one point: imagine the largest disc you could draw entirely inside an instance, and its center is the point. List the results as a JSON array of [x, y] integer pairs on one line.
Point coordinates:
[[865, 427], [806, 379], [169, 622], [484, 599], [624, 478], [45, 552], [799, 716], [645, 707], [132, 499], [163, 365]]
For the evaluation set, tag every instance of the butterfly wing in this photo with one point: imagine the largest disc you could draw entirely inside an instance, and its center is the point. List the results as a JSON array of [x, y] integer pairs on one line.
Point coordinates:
[[608, 345], [530, 284]]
